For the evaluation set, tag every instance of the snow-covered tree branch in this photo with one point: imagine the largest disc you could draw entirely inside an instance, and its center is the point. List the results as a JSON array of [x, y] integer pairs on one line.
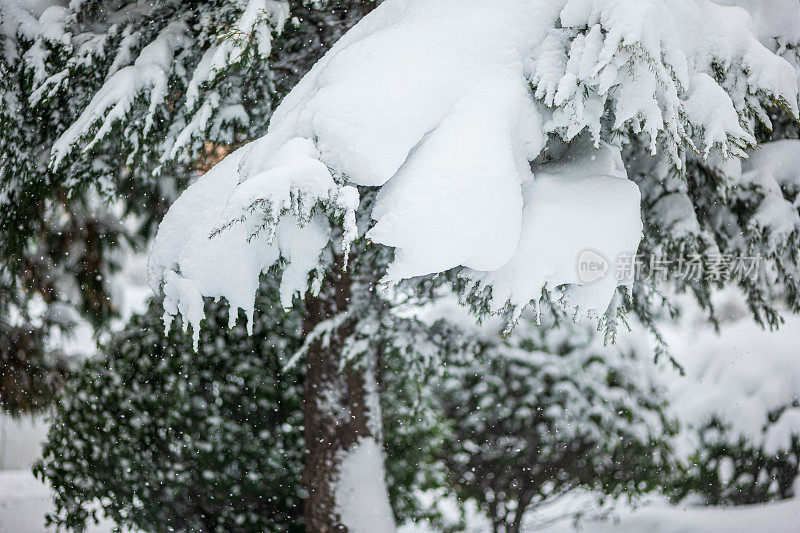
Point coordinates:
[[438, 147], [456, 126]]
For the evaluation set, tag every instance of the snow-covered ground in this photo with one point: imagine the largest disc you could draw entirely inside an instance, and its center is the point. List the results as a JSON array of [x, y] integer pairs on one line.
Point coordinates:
[[660, 517], [24, 501], [783, 517], [20, 441]]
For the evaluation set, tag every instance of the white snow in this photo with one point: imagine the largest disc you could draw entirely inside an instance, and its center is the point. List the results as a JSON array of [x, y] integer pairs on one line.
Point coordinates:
[[257, 22], [362, 500], [150, 72], [583, 203], [112, 103], [657, 517], [770, 178], [24, 500], [772, 19], [431, 102], [20, 441], [780, 517], [191, 263], [778, 162], [21, 16], [739, 376]]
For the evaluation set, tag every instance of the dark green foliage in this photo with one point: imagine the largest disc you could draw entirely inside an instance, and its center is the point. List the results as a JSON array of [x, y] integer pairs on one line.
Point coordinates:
[[62, 228], [737, 472], [414, 435], [158, 437], [60, 241], [542, 414], [161, 438], [721, 220]]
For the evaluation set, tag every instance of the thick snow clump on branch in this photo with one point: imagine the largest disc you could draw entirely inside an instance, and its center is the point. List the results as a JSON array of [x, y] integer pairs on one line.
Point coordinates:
[[443, 106]]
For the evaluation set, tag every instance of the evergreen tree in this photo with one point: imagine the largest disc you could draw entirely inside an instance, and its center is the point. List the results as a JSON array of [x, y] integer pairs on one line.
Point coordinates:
[[428, 165], [487, 152], [545, 412], [730, 470], [60, 241], [157, 437], [64, 231]]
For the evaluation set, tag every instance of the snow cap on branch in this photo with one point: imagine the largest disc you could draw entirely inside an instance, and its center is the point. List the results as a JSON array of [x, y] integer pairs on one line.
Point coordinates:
[[443, 106], [148, 77]]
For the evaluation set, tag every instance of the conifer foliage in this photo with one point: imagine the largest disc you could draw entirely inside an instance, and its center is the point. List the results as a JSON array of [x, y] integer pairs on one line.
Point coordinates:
[[157, 437], [480, 154], [64, 229], [549, 411], [500, 169]]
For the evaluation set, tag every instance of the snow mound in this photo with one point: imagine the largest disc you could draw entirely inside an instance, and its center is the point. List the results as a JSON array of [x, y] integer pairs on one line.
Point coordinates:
[[361, 497], [585, 203], [773, 19], [24, 501]]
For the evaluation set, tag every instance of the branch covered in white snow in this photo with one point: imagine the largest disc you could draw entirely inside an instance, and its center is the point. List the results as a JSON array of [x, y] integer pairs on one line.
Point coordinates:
[[443, 106]]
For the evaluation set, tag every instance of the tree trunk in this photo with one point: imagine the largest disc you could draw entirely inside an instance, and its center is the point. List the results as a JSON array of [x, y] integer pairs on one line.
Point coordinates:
[[336, 408]]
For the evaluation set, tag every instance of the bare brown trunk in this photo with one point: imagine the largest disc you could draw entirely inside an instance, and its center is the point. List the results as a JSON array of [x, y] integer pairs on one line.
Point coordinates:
[[336, 414]]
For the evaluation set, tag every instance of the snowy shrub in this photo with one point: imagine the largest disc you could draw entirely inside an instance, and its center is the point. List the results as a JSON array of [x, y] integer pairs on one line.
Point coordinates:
[[159, 438], [739, 407], [547, 412], [726, 471]]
